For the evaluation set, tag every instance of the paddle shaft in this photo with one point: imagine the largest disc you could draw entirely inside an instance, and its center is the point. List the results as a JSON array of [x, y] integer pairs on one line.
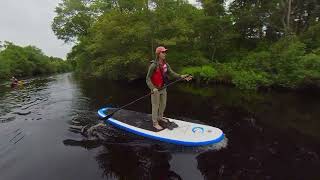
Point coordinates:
[[111, 114]]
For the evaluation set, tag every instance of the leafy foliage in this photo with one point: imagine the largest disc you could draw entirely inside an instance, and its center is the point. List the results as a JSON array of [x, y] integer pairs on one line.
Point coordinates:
[[247, 43], [28, 61], [201, 73]]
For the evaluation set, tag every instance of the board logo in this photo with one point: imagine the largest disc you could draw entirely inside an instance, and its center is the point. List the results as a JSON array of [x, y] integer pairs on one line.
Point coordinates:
[[197, 130]]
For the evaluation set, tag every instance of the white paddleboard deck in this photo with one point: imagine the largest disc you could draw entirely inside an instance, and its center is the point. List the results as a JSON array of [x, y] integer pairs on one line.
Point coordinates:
[[187, 133]]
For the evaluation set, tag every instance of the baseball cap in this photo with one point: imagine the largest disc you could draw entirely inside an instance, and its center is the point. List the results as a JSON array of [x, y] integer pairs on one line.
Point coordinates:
[[160, 49]]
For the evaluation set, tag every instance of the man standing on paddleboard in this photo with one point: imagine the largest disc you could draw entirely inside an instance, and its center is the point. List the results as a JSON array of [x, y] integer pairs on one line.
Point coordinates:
[[156, 79]]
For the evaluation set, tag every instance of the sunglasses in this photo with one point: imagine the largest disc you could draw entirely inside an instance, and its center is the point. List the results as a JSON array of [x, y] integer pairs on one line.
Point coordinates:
[[164, 52]]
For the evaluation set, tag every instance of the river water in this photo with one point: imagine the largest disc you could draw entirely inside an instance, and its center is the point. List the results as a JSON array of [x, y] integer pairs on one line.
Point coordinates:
[[269, 135]]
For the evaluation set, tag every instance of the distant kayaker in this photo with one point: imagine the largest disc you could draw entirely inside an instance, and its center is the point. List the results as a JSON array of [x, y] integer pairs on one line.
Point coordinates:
[[156, 79], [14, 82]]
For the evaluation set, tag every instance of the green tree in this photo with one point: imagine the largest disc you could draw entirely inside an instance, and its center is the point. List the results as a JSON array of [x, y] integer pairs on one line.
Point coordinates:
[[74, 17], [312, 37], [26, 61], [4, 67]]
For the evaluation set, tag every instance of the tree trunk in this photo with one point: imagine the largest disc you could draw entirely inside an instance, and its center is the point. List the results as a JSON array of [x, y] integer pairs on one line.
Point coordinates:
[[152, 47], [213, 53], [149, 14], [285, 19], [288, 16]]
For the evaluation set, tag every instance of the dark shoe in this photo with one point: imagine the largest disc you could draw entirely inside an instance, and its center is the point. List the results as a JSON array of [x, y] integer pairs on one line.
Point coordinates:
[[173, 124], [169, 125], [165, 124], [166, 120]]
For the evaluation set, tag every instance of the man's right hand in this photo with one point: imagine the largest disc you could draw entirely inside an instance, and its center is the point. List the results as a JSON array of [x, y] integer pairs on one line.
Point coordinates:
[[186, 77]]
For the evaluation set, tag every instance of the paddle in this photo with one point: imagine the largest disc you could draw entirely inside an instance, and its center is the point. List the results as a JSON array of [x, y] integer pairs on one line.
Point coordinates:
[[111, 114]]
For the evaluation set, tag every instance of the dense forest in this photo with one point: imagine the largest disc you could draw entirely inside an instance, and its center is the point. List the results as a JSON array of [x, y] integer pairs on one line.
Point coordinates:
[[247, 43], [28, 61]]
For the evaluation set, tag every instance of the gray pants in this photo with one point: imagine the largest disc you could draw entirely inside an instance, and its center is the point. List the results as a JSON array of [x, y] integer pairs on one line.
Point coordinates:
[[158, 101]]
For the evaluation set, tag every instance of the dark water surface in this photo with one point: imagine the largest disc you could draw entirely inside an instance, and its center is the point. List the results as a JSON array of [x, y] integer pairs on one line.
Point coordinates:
[[268, 135]]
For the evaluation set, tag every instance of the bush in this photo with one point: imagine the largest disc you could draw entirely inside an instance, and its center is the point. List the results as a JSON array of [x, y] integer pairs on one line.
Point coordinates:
[[311, 37], [130, 67], [286, 55], [225, 71], [186, 59], [4, 68], [260, 61], [201, 73], [311, 66], [250, 79]]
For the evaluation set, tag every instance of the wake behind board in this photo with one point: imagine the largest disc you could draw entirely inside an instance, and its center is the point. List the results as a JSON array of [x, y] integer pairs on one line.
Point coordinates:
[[187, 133]]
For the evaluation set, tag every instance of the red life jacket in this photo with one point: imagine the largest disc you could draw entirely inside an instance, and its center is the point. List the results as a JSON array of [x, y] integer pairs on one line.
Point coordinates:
[[158, 75]]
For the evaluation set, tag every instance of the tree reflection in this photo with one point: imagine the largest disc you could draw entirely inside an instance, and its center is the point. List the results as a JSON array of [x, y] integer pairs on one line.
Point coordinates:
[[130, 161], [256, 153]]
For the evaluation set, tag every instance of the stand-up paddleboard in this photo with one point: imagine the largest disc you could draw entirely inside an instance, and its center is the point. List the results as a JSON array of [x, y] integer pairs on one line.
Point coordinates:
[[187, 133]]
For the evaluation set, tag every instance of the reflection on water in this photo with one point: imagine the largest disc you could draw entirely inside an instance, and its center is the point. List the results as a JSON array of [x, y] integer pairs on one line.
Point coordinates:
[[141, 160], [268, 135], [298, 111]]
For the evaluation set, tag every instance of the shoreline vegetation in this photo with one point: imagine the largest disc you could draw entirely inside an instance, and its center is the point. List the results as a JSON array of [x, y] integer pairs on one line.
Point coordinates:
[[249, 44], [28, 61]]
